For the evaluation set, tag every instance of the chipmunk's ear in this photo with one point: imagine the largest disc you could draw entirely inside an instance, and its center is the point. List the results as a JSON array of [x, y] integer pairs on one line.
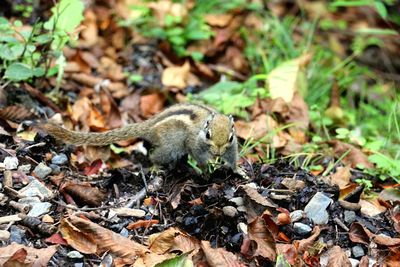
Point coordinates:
[[208, 120]]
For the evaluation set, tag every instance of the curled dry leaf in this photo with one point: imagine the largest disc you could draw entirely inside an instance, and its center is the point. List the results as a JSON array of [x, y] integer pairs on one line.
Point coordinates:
[[84, 193], [16, 113], [354, 157], [218, 20], [257, 197], [259, 233], [20, 255], [103, 239], [217, 257], [304, 244], [359, 234], [338, 257], [371, 207]]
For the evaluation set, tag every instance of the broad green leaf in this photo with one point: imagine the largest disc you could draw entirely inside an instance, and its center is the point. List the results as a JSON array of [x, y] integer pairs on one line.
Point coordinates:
[[18, 72], [179, 261], [67, 15]]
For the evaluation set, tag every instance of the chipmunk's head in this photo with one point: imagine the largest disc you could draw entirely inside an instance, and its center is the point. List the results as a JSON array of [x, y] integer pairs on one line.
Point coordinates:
[[218, 133]]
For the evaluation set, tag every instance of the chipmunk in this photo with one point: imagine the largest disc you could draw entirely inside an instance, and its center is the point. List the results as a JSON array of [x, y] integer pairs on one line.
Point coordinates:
[[179, 130]]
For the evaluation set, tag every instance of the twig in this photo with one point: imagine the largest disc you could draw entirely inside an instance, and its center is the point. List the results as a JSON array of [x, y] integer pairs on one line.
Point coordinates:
[[341, 224], [42, 98]]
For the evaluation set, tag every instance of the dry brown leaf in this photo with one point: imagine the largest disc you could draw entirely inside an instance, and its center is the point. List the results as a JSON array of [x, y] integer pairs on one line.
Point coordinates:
[[15, 255], [298, 114], [75, 238], [371, 207], [338, 257], [354, 157], [304, 244], [217, 257], [90, 34], [218, 20], [257, 128], [141, 224], [257, 197], [164, 7], [259, 233], [110, 109], [290, 253], [162, 242], [359, 234], [151, 104], [178, 76], [384, 240], [341, 177], [84, 193], [106, 240], [16, 113], [110, 69]]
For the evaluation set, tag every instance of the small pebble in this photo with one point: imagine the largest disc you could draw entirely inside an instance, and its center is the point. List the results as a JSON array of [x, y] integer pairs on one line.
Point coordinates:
[[42, 170], [124, 232], [39, 209], [349, 216], [237, 200], [59, 159], [36, 189], [26, 168], [55, 169], [74, 255], [16, 234], [4, 235], [230, 211], [316, 208], [11, 163], [357, 251], [296, 215], [301, 228]]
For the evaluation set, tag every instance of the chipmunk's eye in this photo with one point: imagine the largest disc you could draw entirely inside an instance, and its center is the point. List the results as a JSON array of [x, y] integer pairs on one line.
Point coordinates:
[[208, 134]]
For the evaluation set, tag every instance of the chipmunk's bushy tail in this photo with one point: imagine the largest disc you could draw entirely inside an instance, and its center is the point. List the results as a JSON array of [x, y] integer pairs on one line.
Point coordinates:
[[94, 139]]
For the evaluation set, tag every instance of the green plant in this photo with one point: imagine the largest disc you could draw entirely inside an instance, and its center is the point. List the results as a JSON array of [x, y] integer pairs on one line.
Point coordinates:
[[181, 31], [233, 97], [28, 53]]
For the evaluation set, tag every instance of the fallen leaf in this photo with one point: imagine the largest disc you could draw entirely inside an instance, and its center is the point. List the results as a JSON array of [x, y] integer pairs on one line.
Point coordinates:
[[218, 20], [141, 224], [259, 233], [20, 255], [257, 129], [77, 239], [338, 257], [162, 242], [217, 257], [283, 80], [257, 197], [371, 207], [84, 193], [359, 234], [56, 238], [341, 177], [152, 104], [103, 239], [354, 157], [178, 76], [290, 253], [305, 244]]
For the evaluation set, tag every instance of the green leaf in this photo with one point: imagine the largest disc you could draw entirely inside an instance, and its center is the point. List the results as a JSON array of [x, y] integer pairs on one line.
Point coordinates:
[[67, 15], [381, 9], [38, 72], [179, 261], [18, 72]]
